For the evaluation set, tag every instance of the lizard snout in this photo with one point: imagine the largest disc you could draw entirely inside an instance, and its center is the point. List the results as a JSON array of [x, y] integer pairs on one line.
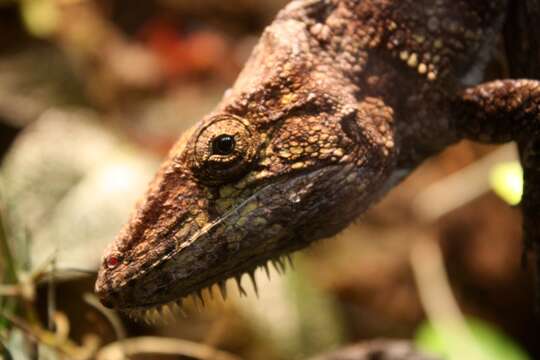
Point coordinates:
[[104, 292], [106, 302]]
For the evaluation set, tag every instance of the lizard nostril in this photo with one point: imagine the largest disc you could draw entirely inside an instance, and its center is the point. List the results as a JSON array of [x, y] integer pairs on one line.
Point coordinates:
[[106, 300]]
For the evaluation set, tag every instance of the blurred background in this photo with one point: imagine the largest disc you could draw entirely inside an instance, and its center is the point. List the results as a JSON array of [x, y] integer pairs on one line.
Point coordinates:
[[93, 93]]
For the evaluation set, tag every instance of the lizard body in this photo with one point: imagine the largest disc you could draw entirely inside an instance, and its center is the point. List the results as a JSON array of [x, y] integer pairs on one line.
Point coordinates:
[[338, 102]]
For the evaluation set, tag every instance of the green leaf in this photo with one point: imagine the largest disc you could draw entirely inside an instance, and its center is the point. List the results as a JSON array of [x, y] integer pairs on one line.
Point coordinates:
[[487, 341], [506, 180]]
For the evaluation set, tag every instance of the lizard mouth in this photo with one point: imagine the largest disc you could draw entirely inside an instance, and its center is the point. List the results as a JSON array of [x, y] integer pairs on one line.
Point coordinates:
[[224, 250], [153, 313]]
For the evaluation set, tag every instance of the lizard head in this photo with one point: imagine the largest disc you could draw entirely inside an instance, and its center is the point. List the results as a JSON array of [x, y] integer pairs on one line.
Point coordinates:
[[284, 160]]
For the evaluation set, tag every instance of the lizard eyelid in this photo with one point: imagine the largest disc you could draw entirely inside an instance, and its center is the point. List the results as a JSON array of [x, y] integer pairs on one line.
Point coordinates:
[[224, 148]]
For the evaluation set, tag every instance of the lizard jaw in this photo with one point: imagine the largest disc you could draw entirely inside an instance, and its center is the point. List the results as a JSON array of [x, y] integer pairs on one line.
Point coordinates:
[[239, 242], [163, 312]]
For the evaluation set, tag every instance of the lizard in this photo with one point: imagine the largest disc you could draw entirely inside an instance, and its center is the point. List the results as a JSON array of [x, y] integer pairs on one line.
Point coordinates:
[[339, 101]]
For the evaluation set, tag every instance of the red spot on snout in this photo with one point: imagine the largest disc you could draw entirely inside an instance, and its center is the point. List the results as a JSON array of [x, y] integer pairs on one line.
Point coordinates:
[[113, 261]]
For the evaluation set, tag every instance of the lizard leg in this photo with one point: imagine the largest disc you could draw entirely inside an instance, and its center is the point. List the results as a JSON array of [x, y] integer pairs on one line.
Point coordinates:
[[503, 111]]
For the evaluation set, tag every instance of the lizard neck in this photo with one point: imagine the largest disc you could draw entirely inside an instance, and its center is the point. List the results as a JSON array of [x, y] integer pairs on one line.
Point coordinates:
[[414, 55]]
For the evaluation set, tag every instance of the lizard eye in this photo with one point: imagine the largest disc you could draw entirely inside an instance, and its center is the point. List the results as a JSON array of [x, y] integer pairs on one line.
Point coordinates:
[[224, 149], [223, 145]]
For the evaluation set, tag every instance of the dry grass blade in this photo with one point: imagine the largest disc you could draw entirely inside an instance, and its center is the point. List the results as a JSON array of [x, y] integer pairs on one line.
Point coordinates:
[[9, 268], [459, 188], [58, 342], [110, 315], [162, 346]]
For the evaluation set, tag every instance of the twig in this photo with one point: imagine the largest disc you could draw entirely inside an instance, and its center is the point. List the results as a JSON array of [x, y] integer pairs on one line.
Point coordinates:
[[49, 339], [459, 188], [51, 297], [162, 346], [110, 315], [377, 349], [436, 297]]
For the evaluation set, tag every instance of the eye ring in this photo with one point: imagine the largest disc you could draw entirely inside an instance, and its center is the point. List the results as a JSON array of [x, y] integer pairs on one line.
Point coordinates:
[[223, 149]]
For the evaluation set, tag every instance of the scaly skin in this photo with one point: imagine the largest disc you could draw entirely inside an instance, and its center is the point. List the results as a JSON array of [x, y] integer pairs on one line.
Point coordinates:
[[339, 101]]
